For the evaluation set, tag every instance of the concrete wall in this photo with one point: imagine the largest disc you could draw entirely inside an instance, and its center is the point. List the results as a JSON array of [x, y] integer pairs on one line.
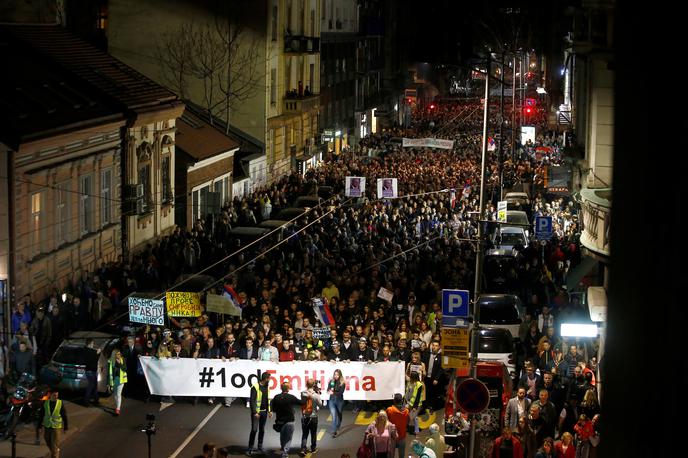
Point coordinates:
[[600, 141]]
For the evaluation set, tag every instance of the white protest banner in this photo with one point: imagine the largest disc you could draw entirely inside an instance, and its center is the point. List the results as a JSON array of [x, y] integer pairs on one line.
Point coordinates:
[[214, 377], [427, 143], [385, 294], [220, 304], [146, 311]]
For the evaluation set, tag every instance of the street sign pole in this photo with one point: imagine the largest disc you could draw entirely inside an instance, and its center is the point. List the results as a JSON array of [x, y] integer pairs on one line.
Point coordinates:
[[479, 253]]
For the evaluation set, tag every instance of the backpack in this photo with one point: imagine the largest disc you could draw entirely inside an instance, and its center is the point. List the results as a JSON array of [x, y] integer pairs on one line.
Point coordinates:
[[307, 407]]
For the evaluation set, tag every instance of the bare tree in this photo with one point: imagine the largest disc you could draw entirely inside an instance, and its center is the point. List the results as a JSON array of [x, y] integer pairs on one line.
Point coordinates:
[[220, 58]]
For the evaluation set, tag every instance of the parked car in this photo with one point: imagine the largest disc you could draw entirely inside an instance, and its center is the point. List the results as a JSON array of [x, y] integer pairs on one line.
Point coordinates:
[[67, 368], [501, 311], [280, 226], [509, 237], [497, 344], [290, 213], [307, 202], [499, 271]]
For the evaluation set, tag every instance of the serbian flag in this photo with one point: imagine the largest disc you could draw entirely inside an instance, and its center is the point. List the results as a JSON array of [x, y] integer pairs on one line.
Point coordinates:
[[232, 295], [322, 311], [452, 198]]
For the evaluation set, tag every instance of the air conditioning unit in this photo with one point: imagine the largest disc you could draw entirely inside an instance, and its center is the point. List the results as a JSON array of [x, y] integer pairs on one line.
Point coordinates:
[[133, 191], [139, 190], [140, 206], [294, 45]]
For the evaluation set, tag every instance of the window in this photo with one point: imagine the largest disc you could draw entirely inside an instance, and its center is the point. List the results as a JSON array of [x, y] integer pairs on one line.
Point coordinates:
[[274, 21], [144, 153], [323, 11], [62, 215], [273, 86], [311, 75], [106, 197], [86, 201], [166, 184], [313, 33], [37, 222]]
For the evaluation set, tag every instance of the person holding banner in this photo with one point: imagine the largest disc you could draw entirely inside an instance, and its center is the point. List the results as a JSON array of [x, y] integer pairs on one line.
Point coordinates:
[[260, 411]]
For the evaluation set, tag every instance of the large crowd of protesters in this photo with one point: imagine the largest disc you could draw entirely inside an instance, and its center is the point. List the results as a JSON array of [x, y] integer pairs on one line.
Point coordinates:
[[346, 250]]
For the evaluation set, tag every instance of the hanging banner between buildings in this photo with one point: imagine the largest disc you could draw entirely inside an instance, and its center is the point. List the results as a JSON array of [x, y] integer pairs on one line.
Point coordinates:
[[182, 304], [427, 143], [214, 377], [146, 311]]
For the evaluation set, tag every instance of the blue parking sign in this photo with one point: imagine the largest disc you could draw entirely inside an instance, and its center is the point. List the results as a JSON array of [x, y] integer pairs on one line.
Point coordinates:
[[454, 303], [543, 227]]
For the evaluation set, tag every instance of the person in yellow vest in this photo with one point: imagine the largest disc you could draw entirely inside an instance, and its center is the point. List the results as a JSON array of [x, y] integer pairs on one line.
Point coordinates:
[[415, 393], [117, 377], [52, 418], [260, 410]]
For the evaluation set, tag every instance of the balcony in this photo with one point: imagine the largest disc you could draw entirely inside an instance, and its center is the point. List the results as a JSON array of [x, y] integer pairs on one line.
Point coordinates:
[[596, 204], [295, 104], [299, 44]]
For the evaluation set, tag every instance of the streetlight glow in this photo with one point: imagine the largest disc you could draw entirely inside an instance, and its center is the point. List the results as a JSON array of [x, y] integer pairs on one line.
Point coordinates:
[[578, 330]]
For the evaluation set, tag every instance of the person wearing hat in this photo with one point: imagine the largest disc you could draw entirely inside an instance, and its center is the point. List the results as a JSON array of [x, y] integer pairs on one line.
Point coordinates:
[[52, 418], [363, 353], [336, 353], [260, 411], [399, 415]]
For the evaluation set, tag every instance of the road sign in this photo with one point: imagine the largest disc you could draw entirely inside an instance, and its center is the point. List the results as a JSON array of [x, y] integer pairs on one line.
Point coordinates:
[[472, 396], [543, 227], [454, 347], [454, 303], [501, 211]]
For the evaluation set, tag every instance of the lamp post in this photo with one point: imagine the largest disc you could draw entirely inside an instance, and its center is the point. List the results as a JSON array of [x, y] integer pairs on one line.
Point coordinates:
[[479, 253]]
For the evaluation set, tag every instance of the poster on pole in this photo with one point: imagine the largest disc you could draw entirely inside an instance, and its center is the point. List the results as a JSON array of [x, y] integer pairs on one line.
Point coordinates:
[[146, 311], [183, 304], [355, 186], [501, 211], [455, 347]]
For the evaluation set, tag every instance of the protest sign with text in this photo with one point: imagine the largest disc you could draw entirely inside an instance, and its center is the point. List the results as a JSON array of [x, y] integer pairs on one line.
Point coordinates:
[[182, 304], [147, 311]]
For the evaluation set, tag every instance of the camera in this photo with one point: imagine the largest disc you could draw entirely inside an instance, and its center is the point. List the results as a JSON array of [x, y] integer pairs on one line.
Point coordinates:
[[316, 386]]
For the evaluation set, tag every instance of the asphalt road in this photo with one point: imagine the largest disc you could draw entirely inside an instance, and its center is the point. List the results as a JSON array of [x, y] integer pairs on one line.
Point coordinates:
[[183, 428]]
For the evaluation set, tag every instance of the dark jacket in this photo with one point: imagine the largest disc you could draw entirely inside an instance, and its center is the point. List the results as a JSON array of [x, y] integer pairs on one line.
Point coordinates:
[[243, 354], [283, 407]]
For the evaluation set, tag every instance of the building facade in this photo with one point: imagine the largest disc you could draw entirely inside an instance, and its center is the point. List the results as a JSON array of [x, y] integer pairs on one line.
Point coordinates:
[[338, 78]]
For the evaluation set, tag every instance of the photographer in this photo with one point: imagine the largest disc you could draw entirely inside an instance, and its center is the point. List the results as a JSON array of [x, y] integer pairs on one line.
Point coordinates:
[[309, 411]]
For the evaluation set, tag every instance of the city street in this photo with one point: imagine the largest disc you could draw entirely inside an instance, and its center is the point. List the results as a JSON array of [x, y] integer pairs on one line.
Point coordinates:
[[182, 429]]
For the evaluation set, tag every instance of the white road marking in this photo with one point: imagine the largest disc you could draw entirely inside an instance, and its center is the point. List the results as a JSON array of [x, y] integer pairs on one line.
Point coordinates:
[[195, 431], [165, 405]]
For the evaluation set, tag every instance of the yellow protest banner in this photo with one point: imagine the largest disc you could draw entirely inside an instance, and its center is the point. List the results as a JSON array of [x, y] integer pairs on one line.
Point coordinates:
[[455, 347], [182, 304]]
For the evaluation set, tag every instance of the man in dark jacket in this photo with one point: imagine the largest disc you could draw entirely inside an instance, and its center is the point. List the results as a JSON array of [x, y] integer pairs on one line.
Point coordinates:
[[283, 406]]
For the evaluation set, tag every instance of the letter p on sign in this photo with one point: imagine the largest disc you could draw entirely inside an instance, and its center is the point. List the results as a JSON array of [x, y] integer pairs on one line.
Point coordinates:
[[455, 303]]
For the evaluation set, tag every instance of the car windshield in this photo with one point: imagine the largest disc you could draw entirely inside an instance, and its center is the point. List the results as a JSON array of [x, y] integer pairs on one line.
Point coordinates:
[[499, 314], [494, 344], [511, 238], [73, 355]]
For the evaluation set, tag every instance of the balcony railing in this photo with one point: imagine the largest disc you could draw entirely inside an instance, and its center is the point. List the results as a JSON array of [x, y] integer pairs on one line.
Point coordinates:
[[299, 44], [301, 104], [596, 212]]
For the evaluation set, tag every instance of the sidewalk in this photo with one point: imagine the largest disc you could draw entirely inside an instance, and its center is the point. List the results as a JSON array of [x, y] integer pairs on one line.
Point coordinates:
[[78, 415]]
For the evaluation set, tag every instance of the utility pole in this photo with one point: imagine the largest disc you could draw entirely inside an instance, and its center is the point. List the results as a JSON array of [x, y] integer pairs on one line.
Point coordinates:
[[500, 155], [479, 252], [513, 108]]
